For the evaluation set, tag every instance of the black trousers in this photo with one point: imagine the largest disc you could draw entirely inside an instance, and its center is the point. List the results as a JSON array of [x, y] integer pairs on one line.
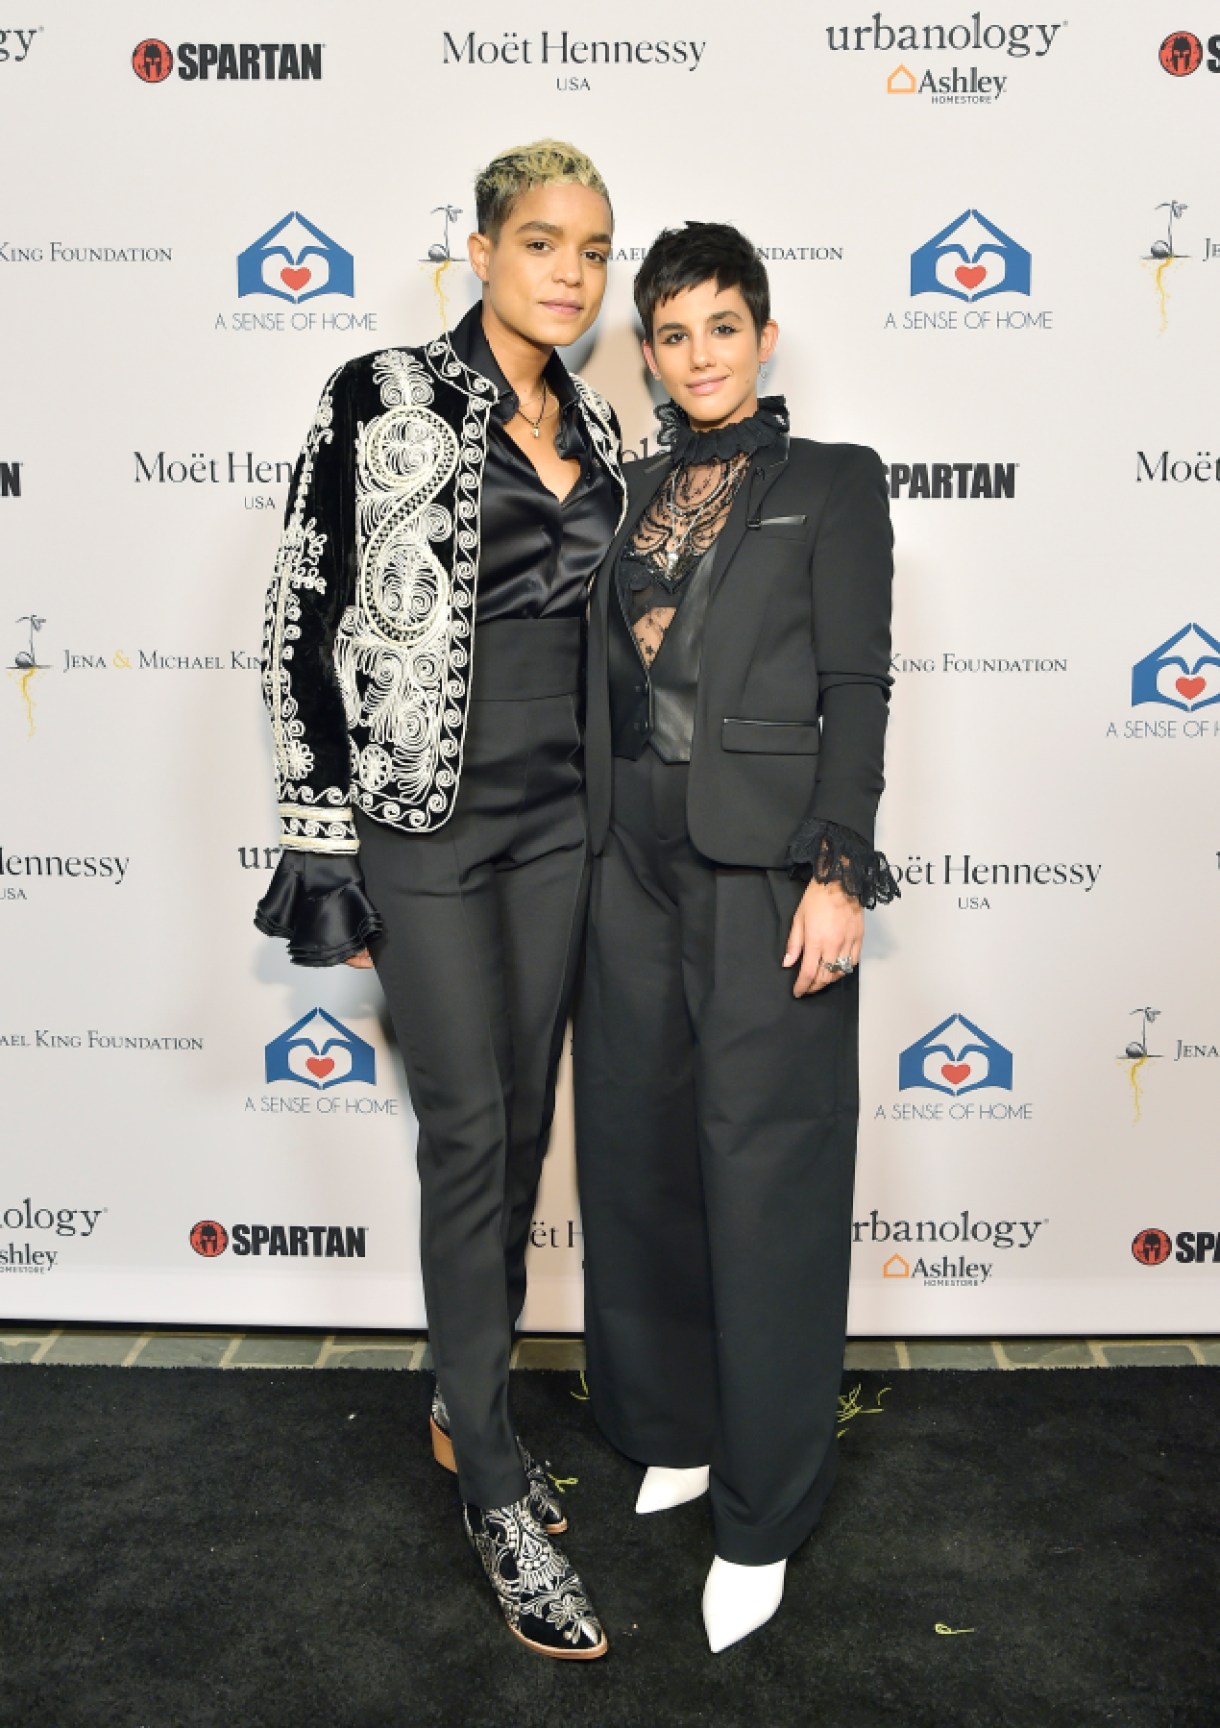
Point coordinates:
[[482, 926], [716, 1134]]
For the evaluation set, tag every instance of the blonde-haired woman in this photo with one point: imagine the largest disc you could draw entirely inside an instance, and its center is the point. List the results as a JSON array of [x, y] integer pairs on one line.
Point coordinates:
[[422, 667]]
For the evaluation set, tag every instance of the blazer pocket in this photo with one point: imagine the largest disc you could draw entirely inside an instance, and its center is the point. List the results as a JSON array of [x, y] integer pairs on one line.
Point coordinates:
[[780, 527], [770, 737]]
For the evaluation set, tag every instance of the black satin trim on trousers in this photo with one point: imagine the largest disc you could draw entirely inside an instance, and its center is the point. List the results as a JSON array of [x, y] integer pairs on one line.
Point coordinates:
[[317, 900]]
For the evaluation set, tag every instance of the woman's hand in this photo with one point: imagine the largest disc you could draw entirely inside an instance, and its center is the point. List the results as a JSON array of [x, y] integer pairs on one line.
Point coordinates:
[[364, 958], [829, 925]]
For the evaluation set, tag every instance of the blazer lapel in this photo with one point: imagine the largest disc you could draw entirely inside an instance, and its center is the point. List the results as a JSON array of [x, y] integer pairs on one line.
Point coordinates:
[[654, 469], [765, 470]]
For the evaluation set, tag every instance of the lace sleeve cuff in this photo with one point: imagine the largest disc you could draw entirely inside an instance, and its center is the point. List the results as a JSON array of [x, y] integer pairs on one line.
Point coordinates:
[[823, 852], [317, 900]]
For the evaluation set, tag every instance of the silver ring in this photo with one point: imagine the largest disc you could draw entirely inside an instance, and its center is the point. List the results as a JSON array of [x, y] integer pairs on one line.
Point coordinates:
[[843, 965]]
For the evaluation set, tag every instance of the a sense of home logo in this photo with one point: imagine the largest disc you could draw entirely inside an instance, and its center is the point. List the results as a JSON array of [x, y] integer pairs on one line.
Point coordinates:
[[321, 1052], [1183, 673], [295, 261], [971, 259], [955, 1057]]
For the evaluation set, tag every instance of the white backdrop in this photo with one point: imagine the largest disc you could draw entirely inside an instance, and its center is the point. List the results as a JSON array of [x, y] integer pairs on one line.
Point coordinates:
[[1055, 736]]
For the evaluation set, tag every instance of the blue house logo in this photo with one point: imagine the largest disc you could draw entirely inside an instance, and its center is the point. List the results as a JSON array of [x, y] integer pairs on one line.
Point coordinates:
[[295, 261], [321, 1052], [969, 260], [1182, 673], [955, 1057]]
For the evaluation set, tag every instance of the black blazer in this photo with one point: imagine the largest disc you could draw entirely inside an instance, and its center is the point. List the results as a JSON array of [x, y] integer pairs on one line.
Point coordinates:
[[794, 680]]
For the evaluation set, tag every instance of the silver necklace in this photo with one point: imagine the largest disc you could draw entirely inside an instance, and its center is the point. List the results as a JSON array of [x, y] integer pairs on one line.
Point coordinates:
[[535, 426], [695, 514]]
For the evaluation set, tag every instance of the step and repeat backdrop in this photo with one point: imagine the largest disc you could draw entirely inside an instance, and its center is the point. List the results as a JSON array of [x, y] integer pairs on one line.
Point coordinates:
[[994, 242]]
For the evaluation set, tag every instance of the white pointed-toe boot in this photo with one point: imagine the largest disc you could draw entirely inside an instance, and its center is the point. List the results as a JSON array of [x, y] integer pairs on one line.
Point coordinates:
[[737, 1600], [663, 1487]]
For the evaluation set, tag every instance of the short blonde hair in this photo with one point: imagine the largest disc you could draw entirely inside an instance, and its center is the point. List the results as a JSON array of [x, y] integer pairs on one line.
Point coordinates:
[[548, 162]]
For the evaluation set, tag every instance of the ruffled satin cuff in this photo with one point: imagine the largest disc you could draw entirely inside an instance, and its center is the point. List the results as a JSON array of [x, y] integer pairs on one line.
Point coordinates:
[[824, 852], [317, 900]]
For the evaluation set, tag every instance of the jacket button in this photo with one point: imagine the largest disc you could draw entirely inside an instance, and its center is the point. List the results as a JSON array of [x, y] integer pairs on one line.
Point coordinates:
[[639, 689], [640, 726]]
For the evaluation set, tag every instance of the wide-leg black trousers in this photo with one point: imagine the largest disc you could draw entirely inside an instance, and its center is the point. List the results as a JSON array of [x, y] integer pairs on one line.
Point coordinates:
[[482, 926], [716, 1135]]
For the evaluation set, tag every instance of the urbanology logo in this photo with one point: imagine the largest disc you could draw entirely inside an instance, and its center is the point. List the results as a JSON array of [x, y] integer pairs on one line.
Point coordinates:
[[15, 45], [1017, 41], [63, 1221], [966, 1232]]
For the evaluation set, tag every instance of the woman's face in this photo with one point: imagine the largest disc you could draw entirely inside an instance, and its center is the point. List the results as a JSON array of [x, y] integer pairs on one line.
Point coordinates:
[[707, 353], [546, 270]]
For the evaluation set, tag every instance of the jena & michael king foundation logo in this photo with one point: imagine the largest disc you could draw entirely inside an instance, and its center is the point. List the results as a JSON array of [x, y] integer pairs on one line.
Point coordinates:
[[971, 261], [988, 59], [944, 1252], [1140, 1050]]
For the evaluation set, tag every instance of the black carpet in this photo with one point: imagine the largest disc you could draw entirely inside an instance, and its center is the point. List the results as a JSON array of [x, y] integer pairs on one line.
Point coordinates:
[[278, 1550]]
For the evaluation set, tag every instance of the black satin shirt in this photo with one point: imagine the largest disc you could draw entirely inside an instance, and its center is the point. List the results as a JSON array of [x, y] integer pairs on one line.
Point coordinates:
[[538, 554]]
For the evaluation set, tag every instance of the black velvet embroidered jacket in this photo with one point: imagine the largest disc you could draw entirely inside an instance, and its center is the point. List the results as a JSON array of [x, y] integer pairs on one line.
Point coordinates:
[[369, 636]]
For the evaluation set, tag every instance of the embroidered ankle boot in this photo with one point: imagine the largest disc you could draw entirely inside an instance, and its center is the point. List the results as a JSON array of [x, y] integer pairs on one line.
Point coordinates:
[[540, 1596], [543, 1496]]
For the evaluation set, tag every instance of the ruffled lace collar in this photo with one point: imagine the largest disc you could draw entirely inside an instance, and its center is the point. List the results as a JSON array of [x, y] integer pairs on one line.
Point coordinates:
[[687, 447]]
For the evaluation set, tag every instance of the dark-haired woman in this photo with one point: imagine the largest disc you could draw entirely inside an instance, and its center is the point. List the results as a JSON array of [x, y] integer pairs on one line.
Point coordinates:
[[738, 690], [422, 668]]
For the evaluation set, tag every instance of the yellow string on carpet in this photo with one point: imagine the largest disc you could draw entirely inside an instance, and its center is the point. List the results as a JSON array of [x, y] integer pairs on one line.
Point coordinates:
[[850, 1407]]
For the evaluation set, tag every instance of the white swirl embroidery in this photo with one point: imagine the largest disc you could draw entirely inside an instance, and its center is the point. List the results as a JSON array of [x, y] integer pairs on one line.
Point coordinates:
[[401, 650], [299, 565]]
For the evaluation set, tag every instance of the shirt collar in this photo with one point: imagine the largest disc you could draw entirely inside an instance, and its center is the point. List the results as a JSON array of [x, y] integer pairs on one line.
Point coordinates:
[[470, 344]]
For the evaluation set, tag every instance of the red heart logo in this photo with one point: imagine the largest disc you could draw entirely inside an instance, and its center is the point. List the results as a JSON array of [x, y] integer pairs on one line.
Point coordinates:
[[955, 1072], [320, 1066], [295, 279], [1190, 687], [970, 275]]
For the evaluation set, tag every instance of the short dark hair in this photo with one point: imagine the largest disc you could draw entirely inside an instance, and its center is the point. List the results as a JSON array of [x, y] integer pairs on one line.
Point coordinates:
[[682, 258]]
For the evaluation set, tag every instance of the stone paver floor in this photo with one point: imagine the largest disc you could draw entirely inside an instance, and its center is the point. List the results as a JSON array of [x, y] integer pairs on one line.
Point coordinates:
[[132, 1347]]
